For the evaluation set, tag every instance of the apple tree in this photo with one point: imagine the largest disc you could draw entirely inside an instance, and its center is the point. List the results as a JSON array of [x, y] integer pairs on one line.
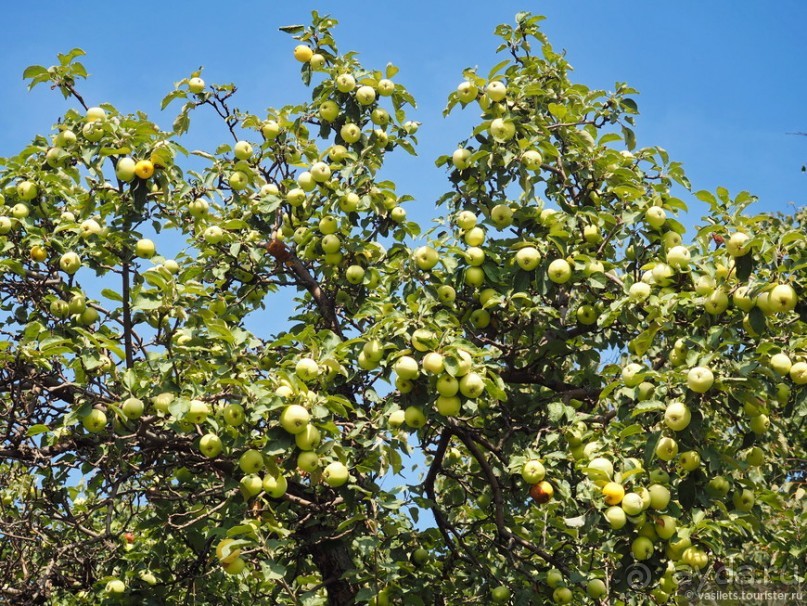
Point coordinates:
[[555, 394]]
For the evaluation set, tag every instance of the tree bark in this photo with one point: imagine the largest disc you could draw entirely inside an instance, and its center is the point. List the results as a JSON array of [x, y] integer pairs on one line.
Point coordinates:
[[332, 559]]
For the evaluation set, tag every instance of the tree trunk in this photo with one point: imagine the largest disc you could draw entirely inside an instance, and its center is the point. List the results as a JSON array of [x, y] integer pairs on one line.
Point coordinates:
[[332, 559]]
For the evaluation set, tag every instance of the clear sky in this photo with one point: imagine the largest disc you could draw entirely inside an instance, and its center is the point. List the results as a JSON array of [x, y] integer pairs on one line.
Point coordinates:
[[722, 82]]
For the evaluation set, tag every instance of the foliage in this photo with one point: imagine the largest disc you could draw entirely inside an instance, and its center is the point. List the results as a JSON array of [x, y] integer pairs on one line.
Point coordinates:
[[94, 493]]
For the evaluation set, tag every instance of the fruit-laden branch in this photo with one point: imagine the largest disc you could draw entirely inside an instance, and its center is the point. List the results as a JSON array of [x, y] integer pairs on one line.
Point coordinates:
[[285, 258], [498, 499]]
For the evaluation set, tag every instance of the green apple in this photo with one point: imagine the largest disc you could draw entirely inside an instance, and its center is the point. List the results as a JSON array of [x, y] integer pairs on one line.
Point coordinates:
[[414, 417], [308, 460], [501, 215], [329, 111], [798, 373], [162, 401], [294, 419], [270, 130], [320, 171], [782, 298], [472, 385], [655, 217], [308, 439], [354, 274], [70, 263], [562, 595], [596, 589], [433, 363], [502, 130], [499, 594], [600, 468], [670, 239], [616, 517], [197, 412], [251, 461], [705, 285], [677, 416], [425, 257], [385, 87], [65, 138], [689, 460], [335, 474], [115, 586], [210, 445], [345, 83], [755, 456], [420, 556], [422, 340], [406, 367], [717, 302], [678, 257], [198, 207], [666, 449], [496, 91], [759, 424], [303, 53], [639, 291], [125, 169], [213, 234], [132, 408], [275, 486], [781, 364], [446, 294], [738, 244], [350, 133], [94, 421], [307, 369], [528, 258], [533, 471], [365, 95], [234, 415], [642, 548], [466, 220], [447, 385], [145, 248], [196, 85], [662, 274], [396, 419], [632, 504], [659, 496], [718, 487], [448, 406], [251, 485], [532, 159], [700, 379], [559, 271], [554, 578], [474, 236], [467, 92], [632, 374], [743, 500], [460, 158]]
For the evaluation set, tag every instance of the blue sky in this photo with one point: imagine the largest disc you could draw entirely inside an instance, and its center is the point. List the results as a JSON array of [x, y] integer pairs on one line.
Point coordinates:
[[722, 82]]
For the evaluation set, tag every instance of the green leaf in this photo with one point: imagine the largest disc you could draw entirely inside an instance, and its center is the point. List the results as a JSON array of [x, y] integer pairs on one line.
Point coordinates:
[[37, 429]]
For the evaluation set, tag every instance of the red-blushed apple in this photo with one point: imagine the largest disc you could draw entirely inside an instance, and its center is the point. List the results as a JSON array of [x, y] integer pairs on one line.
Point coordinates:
[[542, 492]]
